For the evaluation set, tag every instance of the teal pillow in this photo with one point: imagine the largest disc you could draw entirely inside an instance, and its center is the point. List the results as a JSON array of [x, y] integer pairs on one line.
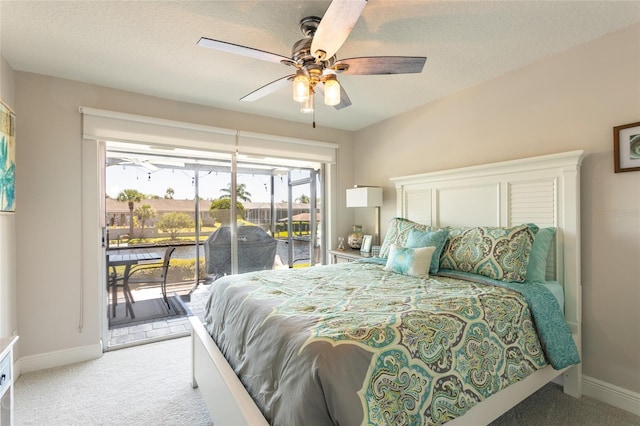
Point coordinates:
[[537, 267], [409, 261], [419, 238], [398, 231]]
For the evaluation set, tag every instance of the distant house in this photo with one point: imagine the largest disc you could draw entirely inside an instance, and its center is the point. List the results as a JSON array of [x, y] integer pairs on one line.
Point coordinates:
[[258, 213]]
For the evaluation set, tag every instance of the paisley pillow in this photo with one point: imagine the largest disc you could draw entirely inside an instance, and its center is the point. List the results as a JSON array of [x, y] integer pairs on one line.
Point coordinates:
[[410, 261], [398, 232], [495, 252]]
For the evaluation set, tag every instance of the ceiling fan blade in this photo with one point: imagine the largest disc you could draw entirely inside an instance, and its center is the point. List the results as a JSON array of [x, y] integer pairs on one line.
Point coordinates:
[[250, 52], [335, 26], [381, 65], [344, 98], [138, 161], [267, 89], [150, 167]]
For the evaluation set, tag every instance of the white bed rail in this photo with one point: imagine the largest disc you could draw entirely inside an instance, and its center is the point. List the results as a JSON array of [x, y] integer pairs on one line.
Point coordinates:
[[227, 400]]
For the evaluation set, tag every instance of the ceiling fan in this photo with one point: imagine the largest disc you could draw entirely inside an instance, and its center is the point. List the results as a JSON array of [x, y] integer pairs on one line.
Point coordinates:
[[149, 163], [314, 58]]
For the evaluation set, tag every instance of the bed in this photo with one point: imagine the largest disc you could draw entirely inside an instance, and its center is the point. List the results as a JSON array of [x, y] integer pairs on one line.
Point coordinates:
[[383, 360]]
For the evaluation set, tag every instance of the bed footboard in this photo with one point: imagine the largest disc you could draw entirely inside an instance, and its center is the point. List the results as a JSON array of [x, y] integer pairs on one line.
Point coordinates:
[[226, 398], [498, 404]]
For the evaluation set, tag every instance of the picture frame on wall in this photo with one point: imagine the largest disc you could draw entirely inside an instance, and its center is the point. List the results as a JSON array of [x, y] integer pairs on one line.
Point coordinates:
[[366, 244], [7, 159], [626, 147]]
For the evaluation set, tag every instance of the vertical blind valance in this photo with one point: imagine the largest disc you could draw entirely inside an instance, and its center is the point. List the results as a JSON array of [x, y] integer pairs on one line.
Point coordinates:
[[116, 126]]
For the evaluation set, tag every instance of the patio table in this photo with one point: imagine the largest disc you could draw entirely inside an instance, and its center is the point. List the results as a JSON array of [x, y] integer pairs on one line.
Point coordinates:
[[128, 260]]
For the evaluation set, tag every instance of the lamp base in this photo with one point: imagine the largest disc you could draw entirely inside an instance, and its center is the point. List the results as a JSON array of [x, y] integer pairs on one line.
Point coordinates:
[[376, 235]]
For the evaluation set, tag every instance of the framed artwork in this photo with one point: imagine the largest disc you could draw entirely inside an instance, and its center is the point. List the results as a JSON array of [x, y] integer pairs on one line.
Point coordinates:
[[7, 159], [366, 244], [626, 147]]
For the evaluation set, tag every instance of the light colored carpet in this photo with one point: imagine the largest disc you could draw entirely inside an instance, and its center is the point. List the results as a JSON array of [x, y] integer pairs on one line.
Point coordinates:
[[550, 406], [141, 385], [150, 385]]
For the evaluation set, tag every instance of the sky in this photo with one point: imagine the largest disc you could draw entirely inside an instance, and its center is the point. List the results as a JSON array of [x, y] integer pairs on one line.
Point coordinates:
[[119, 178]]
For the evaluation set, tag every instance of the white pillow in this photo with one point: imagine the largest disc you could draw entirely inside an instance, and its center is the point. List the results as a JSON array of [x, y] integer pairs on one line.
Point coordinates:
[[410, 261]]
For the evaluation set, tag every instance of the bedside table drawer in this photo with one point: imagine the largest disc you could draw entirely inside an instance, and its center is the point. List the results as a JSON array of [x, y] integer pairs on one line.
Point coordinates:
[[5, 373], [347, 255], [6, 381]]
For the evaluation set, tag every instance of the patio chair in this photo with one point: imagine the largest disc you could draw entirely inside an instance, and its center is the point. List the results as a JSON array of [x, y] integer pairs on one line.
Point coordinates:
[[154, 273]]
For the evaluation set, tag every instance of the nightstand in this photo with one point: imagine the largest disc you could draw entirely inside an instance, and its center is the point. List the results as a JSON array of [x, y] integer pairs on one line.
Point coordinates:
[[6, 380], [346, 255]]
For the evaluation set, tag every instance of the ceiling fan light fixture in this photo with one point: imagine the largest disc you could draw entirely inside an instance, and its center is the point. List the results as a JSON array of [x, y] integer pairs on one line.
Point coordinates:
[[315, 62], [301, 92], [307, 106], [331, 90]]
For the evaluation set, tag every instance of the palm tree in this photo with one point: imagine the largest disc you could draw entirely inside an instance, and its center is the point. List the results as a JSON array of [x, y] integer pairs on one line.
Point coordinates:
[[130, 196], [303, 199], [241, 192], [144, 213], [169, 194]]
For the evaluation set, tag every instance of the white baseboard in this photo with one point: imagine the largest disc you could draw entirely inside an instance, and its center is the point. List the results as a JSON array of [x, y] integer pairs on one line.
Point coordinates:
[[611, 394], [27, 364]]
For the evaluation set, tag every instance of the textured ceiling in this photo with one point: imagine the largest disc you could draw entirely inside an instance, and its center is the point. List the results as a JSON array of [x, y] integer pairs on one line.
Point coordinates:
[[150, 47]]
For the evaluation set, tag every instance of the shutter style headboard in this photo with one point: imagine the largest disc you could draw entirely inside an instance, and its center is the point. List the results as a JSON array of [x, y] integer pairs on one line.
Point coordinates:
[[544, 190]]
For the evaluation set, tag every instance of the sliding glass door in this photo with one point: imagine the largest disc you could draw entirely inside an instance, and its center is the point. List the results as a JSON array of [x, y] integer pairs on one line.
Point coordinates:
[[222, 213]]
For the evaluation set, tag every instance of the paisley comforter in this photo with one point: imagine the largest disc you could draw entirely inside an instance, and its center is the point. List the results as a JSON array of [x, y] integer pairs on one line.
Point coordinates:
[[353, 344]]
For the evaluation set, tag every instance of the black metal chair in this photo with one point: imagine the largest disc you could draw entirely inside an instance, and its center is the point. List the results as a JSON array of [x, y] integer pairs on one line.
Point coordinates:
[[154, 273]]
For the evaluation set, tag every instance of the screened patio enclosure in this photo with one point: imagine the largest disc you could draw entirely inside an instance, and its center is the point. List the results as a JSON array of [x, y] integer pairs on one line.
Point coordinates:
[[181, 197]]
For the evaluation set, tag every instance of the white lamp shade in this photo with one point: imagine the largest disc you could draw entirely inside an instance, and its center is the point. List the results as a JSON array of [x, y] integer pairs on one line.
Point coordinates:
[[365, 196]]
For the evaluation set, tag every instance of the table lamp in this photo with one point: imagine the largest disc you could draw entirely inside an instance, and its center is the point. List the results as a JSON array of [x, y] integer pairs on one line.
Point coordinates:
[[367, 196]]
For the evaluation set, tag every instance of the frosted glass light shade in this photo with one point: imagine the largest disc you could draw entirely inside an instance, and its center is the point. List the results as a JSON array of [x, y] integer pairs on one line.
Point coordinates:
[[365, 196], [300, 87], [331, 91], [307, 106]]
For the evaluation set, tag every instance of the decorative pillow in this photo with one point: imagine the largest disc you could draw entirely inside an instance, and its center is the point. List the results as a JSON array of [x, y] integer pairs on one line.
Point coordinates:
[[417, 238], [410, 261], [537, 267], [498, 253], [398, 231]]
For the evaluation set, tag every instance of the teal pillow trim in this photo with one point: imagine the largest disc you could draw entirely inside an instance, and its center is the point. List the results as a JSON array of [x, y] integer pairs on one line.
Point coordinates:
[[537, 267], [418, 238]]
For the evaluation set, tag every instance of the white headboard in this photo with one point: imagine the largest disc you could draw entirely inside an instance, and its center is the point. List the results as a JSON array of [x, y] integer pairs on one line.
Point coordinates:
[[544, 190]]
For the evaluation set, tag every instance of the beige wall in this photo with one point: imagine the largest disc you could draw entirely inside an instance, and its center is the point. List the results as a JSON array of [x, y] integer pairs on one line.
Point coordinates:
[[49, 269], [566, 102], [8, 312]]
